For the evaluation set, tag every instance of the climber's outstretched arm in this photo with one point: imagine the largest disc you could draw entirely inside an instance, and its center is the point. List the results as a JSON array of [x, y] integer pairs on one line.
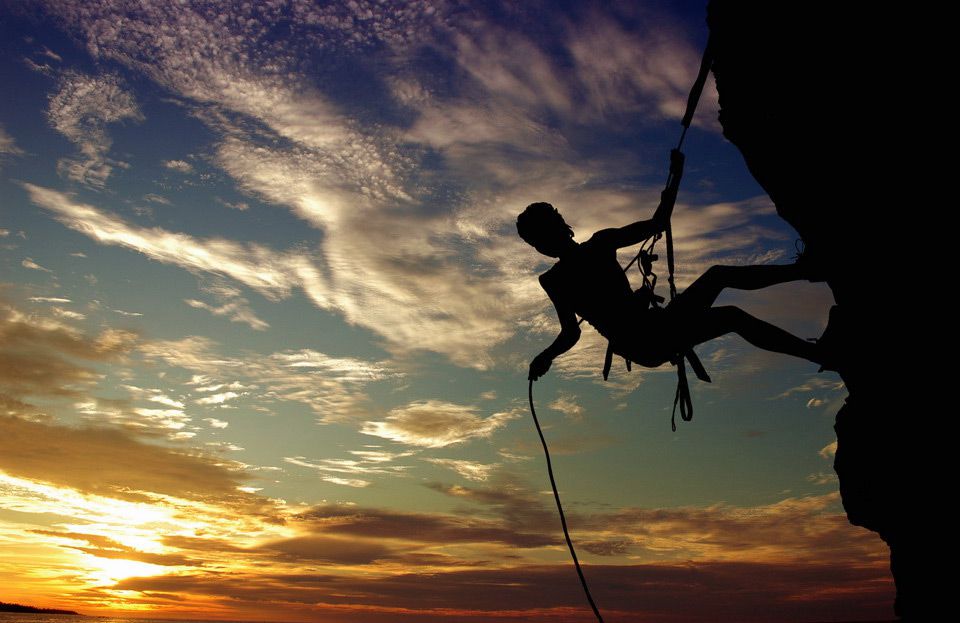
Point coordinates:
[[635, 233], [568, 337]]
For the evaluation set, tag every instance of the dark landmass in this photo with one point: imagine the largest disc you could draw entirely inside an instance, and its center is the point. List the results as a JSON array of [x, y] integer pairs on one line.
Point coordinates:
[[824, 102], [5, 607]]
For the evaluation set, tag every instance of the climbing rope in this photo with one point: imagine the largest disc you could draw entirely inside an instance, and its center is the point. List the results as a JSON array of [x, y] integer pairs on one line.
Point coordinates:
[[556, 496]]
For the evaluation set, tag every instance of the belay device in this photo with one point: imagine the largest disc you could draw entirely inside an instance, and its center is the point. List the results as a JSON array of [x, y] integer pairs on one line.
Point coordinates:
[[644, 260]]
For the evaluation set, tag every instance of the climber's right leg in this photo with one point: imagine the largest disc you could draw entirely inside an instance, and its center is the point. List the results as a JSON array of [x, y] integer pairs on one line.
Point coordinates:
[[717, 321]]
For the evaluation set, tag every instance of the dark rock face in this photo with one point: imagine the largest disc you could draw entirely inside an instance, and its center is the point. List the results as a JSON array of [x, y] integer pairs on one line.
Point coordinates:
[[811, 93]]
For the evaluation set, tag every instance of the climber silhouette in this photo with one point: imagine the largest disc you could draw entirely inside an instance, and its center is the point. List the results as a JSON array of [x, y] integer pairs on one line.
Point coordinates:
[[587, 280]]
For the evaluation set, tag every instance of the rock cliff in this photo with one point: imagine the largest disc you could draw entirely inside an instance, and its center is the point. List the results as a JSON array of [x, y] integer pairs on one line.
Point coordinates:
[[817, 96]]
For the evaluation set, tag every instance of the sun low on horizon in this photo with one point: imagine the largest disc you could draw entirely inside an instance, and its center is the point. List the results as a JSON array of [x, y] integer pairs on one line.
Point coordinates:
[[266, 321]]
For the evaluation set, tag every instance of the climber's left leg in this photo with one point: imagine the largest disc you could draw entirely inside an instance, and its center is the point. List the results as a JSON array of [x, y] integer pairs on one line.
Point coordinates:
[[701, 294]]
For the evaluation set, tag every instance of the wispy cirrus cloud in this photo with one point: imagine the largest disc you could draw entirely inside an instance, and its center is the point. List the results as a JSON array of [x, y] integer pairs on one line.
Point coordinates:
[[471, 470], [399, 300], [230, 303], [333, 387], [352, 472], [48, 299], [254, 265]]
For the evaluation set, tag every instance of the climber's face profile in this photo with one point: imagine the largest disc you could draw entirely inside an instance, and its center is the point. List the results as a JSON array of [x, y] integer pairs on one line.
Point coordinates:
[[542, 227]]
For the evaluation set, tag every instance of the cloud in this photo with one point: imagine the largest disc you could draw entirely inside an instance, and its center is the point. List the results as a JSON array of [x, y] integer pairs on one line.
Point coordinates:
[[806, 528], [43, 358], [471, 470], [230, 447], [232, 304], [511, 502], [321, 549], [659, 593], [366, 466], [826, 392], [40, 356], [155, 198], [66, 313], [29, 263], [8, 146], [396, 301], [154, 395], [809, 529], [80, 110], [52, 55], [180, 166], [333, 387], [567, 404], [423, 528], [236, 205], [269, 272], [217, 399], [112, 463], [48, 299], [823, 478], [105, 547], [435, 424], [650, 66]]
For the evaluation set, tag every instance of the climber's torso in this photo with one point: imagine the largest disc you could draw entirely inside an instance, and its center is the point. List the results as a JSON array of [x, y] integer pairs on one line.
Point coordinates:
[[590, 282]]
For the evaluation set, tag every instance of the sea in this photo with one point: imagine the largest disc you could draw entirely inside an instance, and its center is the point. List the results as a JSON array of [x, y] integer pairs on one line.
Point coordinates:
[[25, 617]]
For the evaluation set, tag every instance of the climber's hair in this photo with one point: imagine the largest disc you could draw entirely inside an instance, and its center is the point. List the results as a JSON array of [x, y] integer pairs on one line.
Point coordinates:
[[540, 218]]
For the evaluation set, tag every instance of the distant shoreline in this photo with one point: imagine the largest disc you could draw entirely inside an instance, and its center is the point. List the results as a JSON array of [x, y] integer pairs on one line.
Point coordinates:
[[5, 607]]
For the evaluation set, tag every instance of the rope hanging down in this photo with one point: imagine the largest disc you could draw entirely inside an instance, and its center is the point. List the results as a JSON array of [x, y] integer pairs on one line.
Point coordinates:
[[556, 496], [643, 258]]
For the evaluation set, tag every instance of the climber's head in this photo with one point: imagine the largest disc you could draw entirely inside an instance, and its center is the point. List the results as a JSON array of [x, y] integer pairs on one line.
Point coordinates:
[[541, 226]]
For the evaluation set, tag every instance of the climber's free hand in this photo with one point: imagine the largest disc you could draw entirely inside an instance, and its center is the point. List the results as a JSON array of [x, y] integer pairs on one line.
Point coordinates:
[[539, 366]]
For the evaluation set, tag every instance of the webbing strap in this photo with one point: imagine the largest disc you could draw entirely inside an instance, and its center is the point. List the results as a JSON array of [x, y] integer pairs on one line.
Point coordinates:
[[682, 397]]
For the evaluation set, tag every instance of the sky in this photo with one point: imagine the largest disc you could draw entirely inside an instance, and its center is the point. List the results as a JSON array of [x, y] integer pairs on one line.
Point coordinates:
[[265, 324]]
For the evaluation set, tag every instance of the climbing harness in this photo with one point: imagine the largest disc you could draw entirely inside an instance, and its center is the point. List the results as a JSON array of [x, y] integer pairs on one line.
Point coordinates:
[[644, 260]]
